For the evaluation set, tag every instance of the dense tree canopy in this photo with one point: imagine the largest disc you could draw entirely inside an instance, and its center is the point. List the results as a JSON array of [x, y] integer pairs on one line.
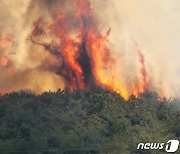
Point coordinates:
[[85, 122]]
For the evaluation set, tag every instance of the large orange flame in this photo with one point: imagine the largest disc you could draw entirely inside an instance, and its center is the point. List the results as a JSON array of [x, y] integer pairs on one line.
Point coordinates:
[[143, 80], [84, 54]]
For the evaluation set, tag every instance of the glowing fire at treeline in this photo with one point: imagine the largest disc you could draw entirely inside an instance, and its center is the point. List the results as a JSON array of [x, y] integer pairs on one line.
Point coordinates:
[[84, 57]]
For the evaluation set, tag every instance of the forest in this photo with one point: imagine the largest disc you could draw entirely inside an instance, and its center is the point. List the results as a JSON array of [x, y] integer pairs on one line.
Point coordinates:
[[84, 121]]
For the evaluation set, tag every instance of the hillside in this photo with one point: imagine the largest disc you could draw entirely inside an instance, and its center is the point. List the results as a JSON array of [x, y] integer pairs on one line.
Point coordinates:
[[84, 122]]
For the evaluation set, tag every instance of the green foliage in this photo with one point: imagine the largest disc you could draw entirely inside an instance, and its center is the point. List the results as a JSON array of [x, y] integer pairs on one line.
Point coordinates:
[[84, 122]]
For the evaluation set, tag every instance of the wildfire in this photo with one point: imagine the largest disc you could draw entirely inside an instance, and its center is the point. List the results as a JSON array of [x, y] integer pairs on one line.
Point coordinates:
[[79, 53], [85, 58], [101, 63]]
